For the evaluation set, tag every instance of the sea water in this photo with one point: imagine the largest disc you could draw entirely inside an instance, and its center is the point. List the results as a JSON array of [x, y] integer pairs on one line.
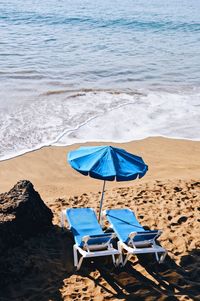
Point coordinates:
[[107, 70]]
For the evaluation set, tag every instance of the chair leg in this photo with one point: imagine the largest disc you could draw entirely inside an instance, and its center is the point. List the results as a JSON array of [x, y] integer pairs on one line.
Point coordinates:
[[120, 257], [157, 257], [113, 259], [162, 257], [110, 246], [80, 263], [128, 256], [77, 263], [75, 256]]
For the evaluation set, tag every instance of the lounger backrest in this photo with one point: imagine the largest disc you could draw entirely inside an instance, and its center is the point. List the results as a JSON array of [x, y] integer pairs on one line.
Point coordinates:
[[123, 222], [83, 222]]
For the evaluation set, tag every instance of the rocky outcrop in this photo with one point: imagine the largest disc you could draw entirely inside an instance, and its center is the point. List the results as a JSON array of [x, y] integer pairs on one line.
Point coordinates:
[[23, 214]]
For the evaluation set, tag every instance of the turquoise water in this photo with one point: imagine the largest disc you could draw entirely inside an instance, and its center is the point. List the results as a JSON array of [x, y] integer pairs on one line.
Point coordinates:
[[73, 71]]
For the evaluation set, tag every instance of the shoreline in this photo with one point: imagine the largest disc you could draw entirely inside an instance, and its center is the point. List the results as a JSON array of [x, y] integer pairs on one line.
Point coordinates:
[[86, 142], [52, 176]]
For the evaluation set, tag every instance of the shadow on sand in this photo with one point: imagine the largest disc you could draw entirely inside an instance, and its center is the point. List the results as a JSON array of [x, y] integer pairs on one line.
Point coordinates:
[[43, 266], [36, 269], [167, 281]]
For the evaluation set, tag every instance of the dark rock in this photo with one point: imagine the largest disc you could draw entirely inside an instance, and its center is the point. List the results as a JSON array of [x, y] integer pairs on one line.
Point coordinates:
[[23, 214]]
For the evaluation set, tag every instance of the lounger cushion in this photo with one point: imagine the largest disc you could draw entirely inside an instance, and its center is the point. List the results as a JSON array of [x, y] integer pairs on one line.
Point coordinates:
[[124, 222], [83, 222]]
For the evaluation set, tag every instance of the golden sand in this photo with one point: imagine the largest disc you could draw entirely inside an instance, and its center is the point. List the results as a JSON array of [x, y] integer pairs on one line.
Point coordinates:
[[167, 198]]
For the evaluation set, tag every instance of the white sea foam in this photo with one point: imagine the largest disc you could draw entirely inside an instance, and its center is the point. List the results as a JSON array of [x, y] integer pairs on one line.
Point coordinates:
[[98, 116]]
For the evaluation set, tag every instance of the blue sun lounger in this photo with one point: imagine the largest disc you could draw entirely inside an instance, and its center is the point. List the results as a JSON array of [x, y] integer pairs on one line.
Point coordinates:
[[133, 238], [90, 240]]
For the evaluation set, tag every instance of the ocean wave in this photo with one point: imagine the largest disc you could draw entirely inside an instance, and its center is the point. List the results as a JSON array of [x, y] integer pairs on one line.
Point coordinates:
[[82, 92], [53, 19], [98, 116]]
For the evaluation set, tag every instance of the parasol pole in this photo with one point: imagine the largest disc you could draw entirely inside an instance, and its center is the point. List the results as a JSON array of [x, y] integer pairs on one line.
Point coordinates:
[[101, 202]]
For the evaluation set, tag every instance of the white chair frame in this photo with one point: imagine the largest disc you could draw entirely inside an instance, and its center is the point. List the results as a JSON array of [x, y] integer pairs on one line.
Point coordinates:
[[95, 250], [143, 247], [140, 247]]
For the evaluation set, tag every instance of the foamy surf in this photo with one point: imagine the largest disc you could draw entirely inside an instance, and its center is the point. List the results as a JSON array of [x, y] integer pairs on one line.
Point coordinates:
[[97, 115]]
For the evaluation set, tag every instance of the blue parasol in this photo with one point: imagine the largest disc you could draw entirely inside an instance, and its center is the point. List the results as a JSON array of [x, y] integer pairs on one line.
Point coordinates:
[[107, 163]]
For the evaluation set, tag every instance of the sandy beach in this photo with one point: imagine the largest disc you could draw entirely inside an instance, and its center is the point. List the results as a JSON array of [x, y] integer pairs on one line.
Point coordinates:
[[80, 73], [166, 198], [52, 176]]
